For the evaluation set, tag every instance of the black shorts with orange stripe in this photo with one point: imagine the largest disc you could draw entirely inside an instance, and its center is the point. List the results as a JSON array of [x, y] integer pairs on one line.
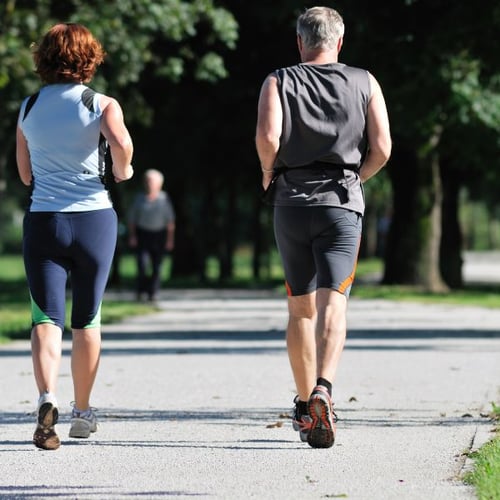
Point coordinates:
[[318, 246]]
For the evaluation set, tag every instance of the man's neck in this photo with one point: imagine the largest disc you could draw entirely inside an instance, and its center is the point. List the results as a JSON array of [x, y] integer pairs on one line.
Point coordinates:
[[319, 57]]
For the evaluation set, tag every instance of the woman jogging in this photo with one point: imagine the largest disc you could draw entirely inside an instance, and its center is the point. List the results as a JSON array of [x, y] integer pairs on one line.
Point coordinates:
[[70, 227]]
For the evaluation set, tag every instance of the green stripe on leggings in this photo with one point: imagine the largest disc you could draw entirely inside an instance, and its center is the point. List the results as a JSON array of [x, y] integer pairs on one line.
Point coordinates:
[[96, 321], [38, 316]]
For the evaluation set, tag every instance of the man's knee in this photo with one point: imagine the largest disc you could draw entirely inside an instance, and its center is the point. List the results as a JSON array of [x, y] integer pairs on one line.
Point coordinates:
[[328, 297], [302, 306]]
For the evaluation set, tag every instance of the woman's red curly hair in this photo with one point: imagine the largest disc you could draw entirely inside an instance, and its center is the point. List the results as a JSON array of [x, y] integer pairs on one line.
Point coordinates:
[[68, 53]]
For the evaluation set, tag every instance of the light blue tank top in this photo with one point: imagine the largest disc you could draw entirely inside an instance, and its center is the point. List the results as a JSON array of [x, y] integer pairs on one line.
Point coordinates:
[[63, 142]]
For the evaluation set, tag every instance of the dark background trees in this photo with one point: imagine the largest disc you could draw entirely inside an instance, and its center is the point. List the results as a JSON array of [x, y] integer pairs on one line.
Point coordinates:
[[188, 75]]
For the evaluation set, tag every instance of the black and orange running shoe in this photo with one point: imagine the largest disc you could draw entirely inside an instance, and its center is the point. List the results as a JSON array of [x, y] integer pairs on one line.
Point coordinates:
[[300, 422], [323, 419]]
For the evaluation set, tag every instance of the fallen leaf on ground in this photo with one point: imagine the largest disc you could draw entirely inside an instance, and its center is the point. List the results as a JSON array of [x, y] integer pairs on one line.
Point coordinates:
[[276, 424]]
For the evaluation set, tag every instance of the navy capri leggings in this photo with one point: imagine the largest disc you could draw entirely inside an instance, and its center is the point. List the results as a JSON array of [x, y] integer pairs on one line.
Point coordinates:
[[59, 245]]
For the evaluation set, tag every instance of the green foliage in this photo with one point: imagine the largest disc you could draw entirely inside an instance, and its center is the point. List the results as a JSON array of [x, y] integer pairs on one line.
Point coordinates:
[[15, 312], [10, 224], [495, 411], [167, 38], [444, 107], [11, 270], [149, 44], [130, 31], [434, 84], [378, 193], [473, 97], [211, 68], [479, 296], [135, 32]]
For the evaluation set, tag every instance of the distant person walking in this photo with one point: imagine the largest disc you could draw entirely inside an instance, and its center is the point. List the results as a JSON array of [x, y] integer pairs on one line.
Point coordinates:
[[151, 224], [322, 130], [70, 227]]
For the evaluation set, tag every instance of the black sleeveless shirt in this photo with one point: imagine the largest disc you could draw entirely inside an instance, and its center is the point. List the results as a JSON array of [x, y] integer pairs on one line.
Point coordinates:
[[324, 139]]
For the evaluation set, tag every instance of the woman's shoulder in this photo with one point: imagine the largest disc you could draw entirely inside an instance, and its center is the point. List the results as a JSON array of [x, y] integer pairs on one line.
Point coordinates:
[[107, 101]]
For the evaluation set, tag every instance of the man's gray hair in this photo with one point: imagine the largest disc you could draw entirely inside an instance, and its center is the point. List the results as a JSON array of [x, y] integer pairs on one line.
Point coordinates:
[[152, 172], [320, 28]]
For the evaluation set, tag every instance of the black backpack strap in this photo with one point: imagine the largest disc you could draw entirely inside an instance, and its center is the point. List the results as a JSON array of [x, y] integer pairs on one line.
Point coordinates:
[[104, 154], [88, 99], [32, 99]]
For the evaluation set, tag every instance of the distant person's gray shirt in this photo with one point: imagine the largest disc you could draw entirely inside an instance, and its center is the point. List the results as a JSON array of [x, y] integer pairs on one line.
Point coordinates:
[[152, 215], [324, 138]]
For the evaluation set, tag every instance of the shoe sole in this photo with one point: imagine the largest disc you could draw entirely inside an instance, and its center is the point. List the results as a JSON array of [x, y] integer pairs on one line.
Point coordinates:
[[45, 436], [80, 428], [322, 433]]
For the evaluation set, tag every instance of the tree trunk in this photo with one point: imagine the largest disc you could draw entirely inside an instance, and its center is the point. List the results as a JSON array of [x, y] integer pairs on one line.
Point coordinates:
[[187, 258], [3, 192], [412, 254], [257, 240], [263, 240], [403, 244], [451, 242], [429, 275], [226, 234]]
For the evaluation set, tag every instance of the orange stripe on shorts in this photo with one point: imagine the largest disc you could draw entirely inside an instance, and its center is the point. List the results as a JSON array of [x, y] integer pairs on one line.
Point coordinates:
[[348, 281]]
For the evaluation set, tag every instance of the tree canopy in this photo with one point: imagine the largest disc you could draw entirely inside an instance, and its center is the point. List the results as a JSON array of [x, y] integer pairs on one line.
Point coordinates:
[[188, 74]]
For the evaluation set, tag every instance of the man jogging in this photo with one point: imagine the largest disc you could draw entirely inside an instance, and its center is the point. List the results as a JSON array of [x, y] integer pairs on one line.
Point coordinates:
[[322, 130]]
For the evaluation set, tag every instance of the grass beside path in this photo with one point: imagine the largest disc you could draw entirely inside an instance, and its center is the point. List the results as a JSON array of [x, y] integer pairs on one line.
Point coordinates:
[[15, 319], [15, 308], [486, 474], [15, 311]]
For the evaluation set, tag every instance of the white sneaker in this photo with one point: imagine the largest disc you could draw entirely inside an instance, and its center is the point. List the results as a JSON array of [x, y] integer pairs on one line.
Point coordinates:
[[82, 423], [47, 397]]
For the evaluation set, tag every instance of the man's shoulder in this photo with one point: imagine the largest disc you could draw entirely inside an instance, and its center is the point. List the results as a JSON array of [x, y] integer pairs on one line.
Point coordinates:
[[293, 67], [355, 70], [287, 72], [360, 76], [334, 67]]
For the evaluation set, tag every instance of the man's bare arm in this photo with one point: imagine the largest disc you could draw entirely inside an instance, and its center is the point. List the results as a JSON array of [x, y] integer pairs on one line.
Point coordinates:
[[269, 127], [379, 135]]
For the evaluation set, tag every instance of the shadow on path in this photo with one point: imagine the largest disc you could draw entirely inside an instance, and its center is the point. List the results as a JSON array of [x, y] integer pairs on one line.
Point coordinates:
[[228, 341]]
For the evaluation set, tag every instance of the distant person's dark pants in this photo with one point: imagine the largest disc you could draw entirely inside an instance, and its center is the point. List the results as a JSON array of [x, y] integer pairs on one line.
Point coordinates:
[[150, 250]]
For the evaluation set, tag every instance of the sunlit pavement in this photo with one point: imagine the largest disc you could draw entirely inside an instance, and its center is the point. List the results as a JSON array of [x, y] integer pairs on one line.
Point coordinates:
[[194, 401]]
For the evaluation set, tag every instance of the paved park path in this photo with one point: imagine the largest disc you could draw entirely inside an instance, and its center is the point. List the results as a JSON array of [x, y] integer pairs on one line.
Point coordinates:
[[194, 402]]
